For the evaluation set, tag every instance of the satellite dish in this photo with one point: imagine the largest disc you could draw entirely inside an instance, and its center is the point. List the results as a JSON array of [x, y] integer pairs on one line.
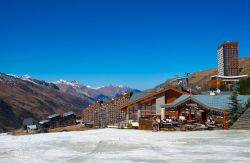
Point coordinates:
[[218, 91]]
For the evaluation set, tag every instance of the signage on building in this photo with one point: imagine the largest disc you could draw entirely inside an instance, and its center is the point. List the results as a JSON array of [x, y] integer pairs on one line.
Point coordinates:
[[191, 105]]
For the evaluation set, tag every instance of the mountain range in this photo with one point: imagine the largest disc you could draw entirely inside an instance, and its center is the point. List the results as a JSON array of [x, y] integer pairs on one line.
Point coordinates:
[[104, 93], [23, 97]]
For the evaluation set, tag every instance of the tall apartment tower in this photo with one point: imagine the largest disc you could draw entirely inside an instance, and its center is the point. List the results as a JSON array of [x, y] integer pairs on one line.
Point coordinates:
[[228, 62]]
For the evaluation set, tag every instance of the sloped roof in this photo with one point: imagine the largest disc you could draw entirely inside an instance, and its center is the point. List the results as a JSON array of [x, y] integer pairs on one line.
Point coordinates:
[[220, 102], [44, 121], [138, 95], [32, 127], [221, 93], [68, 113], [53, 116]]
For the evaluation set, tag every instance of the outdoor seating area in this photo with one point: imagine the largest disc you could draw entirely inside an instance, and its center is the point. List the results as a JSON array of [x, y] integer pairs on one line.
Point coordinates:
[[173, 123]]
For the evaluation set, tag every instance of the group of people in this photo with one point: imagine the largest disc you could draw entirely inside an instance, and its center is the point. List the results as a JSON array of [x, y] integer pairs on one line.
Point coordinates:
[[210, 123], [171, 122], [167, 122]]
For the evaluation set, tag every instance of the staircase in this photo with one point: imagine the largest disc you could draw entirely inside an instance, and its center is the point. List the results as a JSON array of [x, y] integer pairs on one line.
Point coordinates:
[[243, 122]]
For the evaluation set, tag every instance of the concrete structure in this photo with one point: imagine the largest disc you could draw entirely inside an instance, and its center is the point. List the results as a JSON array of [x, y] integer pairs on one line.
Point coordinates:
[[217, 81], [228, 66], [102, 115], [228, 62], [160, 99]]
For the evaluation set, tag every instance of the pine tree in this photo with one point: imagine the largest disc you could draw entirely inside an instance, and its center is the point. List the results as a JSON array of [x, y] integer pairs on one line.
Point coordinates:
[[235, 107]]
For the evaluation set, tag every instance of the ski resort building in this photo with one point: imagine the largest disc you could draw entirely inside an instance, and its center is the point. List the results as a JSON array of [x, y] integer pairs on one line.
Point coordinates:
[[200, 108], [129, 108], [136, 108], [101, 114], [228, 66]]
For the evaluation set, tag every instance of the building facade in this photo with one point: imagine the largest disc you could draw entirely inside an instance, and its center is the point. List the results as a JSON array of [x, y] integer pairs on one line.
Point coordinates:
[[228, 61], [201, 108], [129, 108], [100, 115], [148, 104]]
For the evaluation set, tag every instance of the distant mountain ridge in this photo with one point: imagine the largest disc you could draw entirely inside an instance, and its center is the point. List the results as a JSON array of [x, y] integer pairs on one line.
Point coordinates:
[[104, 93], [23, 97]]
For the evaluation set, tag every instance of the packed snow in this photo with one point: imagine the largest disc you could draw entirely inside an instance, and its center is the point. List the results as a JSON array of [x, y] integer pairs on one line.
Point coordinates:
[[114, 145]]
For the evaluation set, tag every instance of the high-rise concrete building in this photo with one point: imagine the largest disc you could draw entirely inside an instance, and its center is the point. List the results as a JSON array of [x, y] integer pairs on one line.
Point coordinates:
[[228, 61]]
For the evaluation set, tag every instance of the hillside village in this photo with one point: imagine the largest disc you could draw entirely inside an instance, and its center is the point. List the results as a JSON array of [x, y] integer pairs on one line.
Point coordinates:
[[182, 103]]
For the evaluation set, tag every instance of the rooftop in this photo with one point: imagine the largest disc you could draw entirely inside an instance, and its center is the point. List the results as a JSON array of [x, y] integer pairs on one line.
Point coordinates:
[[138, 95], [220, 102], [229, 77], [44, 121], [68, 113], [53, 116], [32, 127]]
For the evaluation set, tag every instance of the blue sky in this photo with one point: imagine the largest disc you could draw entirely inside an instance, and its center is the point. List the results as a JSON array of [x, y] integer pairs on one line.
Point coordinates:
[[129, 42]]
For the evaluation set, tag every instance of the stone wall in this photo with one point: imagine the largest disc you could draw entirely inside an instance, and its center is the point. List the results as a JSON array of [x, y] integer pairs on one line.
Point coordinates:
[[160, 100]]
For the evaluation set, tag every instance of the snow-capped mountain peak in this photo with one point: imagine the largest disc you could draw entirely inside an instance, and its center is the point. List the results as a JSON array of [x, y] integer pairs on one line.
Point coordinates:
[[26, 76], [104, 92], [73, 83]]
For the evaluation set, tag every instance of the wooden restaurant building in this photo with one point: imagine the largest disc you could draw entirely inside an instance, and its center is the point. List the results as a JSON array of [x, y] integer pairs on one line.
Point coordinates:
[[164, 103], [201, 108], [129, 108], [148, 104]]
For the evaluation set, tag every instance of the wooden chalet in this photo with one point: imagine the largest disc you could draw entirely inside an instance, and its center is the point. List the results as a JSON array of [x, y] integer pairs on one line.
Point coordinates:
[[57, 120], [148, 104], [68, 119], [201, 108]]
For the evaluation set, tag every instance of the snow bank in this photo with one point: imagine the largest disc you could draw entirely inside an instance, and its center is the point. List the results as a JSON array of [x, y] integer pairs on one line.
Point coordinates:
[[113, 145]]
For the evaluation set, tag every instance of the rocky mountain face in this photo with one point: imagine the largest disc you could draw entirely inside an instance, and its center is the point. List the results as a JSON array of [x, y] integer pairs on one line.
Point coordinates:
[[23, 97], [104, 93]]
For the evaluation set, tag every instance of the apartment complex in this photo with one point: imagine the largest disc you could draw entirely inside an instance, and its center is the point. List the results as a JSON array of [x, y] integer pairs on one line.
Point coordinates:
[[228, 62], [228, 66]]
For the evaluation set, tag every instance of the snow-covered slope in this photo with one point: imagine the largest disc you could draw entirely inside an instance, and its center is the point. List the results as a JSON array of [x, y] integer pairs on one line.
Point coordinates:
[[127, 146]]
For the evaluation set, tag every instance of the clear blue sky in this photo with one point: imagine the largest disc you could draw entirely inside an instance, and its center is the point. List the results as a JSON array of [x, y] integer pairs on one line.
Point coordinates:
[[130, 42]]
